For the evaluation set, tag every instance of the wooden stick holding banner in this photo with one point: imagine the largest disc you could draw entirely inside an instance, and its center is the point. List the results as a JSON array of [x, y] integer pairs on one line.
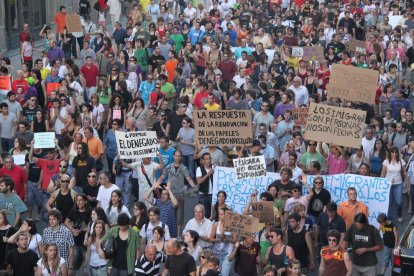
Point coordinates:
[[250, 167], [241, 225], [137, 144]]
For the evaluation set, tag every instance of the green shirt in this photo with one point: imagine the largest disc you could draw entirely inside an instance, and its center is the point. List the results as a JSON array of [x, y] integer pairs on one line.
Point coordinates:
[[134, 242], [169, 90], [142, 55], [178, 39]]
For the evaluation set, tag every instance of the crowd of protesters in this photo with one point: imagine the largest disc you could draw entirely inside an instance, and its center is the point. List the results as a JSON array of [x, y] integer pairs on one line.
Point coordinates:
[[169, 59]]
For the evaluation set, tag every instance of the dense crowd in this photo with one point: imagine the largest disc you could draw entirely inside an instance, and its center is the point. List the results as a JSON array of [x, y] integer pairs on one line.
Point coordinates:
[[151, 73]]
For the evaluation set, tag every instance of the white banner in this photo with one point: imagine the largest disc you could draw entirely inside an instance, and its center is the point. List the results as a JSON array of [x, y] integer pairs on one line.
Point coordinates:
[[44, 140], [137, 144], [373, 191], [250, 167]]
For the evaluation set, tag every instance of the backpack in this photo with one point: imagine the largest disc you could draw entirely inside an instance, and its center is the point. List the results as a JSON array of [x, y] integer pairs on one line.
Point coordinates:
[[395, 134]]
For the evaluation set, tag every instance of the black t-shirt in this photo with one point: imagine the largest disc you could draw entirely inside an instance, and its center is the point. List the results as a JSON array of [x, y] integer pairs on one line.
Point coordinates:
[[79, 221], [120, 262], [22, 263], [388, 234], [83, 166], [180, 265], [175, 124], [337, 223], [64, 203], [318, 201], [369, 236], [6, 233], [126, 97], [154, 60], [92, 192], [158, 130], [30, 114], [284, 187], [34, 170], [246, 259]]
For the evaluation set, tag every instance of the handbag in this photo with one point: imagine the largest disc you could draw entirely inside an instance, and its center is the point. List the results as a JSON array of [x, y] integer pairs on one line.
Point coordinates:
[[118, 169], [96, 6], [109, 248]]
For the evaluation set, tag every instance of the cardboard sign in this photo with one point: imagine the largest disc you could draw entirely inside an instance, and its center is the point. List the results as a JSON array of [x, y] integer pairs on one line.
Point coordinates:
[[223, 127], [250, 167], [19, 159], [300, 116], [373, 191], [184, 193], [314, 53], [241, 225], [44, 140], [5, 83], [264, 211], [73, 23], [357, 46], [52, 86], [297, 52], [353, 83], [338, 125], [137, 144]]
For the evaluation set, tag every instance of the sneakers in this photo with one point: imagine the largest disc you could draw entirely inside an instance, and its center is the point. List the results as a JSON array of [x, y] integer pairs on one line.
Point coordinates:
[[400, 220]]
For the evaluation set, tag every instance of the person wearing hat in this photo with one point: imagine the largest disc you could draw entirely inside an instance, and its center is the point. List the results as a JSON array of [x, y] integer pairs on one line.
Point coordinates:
[[365, 240], [254, 150]]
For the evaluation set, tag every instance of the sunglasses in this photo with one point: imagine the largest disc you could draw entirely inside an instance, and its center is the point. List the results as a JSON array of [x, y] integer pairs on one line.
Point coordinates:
[[157, 87], [317, 182], [312, 145], [65, 181], [295, 191], [331, 240], [62, 166], [93, 176], [114, 124]]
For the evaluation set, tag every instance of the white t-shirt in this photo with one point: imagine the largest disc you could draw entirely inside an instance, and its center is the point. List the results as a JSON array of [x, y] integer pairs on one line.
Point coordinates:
[[34, 244], [291, 202], [45, 271], [114, 213], [148, 234], [104, 195], [394, 170]]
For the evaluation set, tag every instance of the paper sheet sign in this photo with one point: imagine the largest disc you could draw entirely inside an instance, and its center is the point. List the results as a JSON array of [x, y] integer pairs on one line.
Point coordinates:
[[353, 83], [137, 144], [44, 140], [338, 125], [264, 211], [250, 167], [5, 83], [297, 52], [223, 127], [245, 226], [19, 159]]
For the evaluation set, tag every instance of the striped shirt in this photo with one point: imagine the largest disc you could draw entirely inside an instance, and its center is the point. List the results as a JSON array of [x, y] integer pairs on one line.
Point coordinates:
[[145, 267]]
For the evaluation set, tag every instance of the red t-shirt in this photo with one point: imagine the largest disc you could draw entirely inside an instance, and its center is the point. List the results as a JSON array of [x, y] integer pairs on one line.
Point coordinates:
[[19, 178], [90, 75], [200, 99], [154, 97], [20, 88], [49, 169]]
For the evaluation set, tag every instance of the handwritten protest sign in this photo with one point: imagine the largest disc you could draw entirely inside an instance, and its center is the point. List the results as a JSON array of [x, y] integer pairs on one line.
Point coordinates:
[[297, 52], [250, 167], [353, 83], [331, 124], [19, 159], [242, 225], [223, 127], [73, 23], [182, 192], [357, 46], [300, 116], [137, 144], [264, 211], [395, 20], [5, 83], [373, 191], [44, 140], [314, 53], [52, 86]]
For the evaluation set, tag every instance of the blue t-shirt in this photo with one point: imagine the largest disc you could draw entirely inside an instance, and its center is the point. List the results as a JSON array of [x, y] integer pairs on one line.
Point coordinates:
[[167, 159]]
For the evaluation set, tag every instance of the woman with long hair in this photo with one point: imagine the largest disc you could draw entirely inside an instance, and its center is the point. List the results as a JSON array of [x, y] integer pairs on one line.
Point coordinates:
[[37, 78], [72, 150], [117, 110], [393, 170], [140, 216], [191, 238], [116, 207], [158, 239], [220, 203], [95, 257], [40, 123], [185, 138], [69, 130], [139, 113], [86, 110], [199, 56], [6, 231], [98, 111], [377, 157], [50, 263], [223, 243], [387, 96], [28, 227], [97, 213], [204, 257], [103, 91]]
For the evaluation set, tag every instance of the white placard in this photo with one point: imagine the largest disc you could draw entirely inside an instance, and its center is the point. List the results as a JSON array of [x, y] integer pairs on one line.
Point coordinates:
[[137, 144], [250, 167], [19, 159], [44, 140], [395, 20], [297, 52], [373, 191]]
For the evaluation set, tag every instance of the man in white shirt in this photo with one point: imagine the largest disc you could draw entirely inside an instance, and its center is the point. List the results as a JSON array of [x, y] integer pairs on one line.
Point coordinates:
[[201, 225], [189, 13], [105, 191], [368, 142], [240, 79], [146, 231], [301, 92]]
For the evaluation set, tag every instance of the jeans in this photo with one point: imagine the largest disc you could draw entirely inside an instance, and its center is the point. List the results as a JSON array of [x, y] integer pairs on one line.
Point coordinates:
[[6, 144], [44, 214], [79, 253], [412, 198], [34, 196], [226, 266], [110, 161], [205, 200], [395, 200], [90, 91], [188, 161], [387, 256], [135, 187], [123, 183], [103, 271], [118, 272], [358, 270]]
